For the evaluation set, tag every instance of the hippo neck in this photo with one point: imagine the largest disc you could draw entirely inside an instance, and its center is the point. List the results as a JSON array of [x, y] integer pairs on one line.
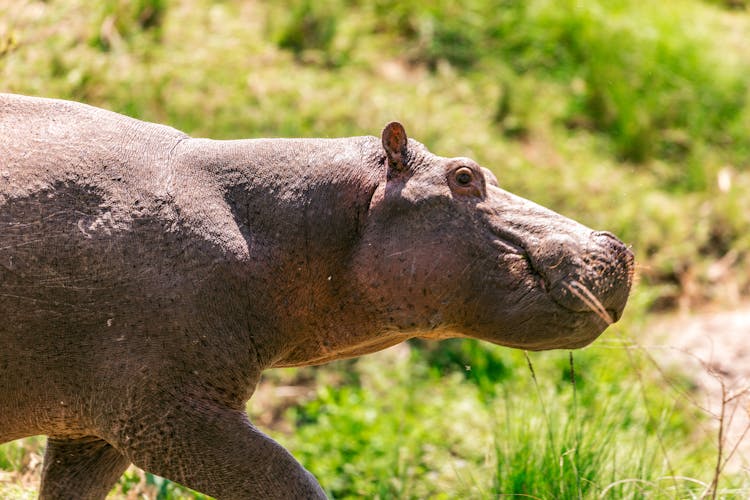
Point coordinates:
[[280, 190], [299, 206]]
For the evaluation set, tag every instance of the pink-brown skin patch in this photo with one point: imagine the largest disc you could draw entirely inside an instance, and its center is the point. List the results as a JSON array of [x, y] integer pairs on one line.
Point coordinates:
[[147, 278]]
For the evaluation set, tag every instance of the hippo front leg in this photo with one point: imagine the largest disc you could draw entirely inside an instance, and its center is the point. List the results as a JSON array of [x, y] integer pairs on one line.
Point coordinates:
[[85, 468], [217, 451]]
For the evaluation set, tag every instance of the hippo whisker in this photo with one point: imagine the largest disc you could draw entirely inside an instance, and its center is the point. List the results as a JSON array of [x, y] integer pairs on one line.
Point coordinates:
[[508, 247], [589, 299]]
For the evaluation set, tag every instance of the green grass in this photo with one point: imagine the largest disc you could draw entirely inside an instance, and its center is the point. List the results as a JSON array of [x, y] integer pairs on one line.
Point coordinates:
[[628, 116], [463, 420]]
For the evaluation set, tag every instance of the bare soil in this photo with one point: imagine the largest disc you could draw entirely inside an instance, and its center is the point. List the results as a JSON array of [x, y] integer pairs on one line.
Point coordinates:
[[713, 349]]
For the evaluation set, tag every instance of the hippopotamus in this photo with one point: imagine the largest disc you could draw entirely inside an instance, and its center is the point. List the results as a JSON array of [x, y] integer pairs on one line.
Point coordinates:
[[147, 278]]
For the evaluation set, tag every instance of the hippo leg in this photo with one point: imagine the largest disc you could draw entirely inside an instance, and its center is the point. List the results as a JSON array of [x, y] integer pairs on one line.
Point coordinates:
[[216, 450], [85, 468]]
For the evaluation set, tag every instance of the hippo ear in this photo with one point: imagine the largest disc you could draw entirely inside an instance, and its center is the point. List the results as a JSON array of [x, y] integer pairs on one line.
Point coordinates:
[[395, 145]]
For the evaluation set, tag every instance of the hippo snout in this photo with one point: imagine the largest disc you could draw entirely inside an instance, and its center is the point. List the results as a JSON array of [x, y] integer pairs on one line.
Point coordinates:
[[589, 273]]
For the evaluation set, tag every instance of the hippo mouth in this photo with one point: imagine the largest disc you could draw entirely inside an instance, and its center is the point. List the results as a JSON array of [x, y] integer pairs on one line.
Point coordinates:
[[588, 301], [592, 281], [572, 295]]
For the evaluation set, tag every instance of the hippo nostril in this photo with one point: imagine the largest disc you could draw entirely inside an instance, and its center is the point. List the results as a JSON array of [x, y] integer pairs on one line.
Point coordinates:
[[608, 240], [619, 252], [612, 246], [605, 234]]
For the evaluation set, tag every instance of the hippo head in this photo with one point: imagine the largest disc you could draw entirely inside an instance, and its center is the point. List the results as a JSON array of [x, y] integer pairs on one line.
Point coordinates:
[[447, 253]]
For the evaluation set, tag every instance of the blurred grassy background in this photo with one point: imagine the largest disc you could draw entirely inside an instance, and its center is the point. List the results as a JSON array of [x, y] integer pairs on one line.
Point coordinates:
[[628, 116]]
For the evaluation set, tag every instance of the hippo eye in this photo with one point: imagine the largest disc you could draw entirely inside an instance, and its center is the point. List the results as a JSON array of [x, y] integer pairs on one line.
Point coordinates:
[[464, 176]]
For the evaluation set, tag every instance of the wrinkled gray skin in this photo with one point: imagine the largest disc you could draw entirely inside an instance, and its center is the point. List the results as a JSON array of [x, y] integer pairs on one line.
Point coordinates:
[[147, 278]]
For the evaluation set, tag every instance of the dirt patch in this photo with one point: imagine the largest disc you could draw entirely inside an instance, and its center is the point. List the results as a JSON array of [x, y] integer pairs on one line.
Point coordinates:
[[713, 349]]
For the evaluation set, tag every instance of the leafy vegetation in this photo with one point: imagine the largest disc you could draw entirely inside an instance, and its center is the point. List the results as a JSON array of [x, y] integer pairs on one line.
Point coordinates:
[[630, 116], [463, 420]]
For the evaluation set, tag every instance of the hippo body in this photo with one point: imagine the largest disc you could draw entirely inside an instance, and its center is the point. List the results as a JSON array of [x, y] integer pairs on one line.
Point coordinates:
[[147, 278]]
